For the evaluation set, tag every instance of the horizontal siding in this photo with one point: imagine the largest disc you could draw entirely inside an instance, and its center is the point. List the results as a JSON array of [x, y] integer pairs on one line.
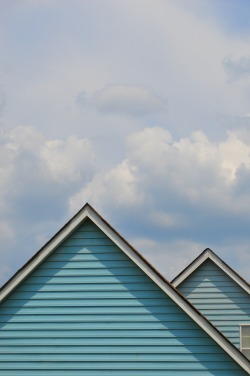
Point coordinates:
[[118, 365], [89, 310], [104, 357], [115, 372], [219, 298]]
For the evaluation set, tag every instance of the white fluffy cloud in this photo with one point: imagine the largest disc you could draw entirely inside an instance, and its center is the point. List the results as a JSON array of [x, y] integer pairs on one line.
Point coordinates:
[[37, 176], [117, 186], [190, 188], [63, 160], [68, 161], [132, 100], [194, 168]]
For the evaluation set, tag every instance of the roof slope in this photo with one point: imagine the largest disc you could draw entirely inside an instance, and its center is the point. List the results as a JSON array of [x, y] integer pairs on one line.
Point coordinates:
[[87, 212]]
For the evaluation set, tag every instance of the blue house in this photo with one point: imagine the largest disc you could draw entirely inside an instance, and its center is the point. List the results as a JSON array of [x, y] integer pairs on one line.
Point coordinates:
[[89, 304], [220, 294]]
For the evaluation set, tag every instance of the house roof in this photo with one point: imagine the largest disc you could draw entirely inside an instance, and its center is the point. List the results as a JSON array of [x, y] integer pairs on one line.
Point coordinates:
[[88, 212], [208, 254]]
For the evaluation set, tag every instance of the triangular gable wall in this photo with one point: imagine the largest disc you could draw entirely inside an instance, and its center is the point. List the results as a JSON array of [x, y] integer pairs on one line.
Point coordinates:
[[218, 292], [88, 309]]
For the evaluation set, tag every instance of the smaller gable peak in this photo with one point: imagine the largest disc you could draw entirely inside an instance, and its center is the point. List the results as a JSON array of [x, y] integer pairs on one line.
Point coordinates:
[[208, 250], [211, 255]]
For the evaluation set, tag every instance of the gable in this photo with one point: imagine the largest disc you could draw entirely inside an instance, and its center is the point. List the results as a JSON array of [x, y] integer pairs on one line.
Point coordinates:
[[88, 309], [209, 254], [223, 301]]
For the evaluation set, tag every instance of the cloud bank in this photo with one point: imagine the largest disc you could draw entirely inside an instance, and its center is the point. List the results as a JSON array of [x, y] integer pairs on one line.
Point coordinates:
[[36, 178], [173, 179], [166, 189]]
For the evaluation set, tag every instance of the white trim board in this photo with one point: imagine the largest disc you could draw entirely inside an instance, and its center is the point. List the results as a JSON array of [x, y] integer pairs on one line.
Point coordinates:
[[205, 255], [88, 212]]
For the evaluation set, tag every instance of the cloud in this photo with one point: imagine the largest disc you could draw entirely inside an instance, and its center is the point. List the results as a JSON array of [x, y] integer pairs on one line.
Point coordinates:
[[194, 169], [68, 161], [173, 197], [179, 188], [33, 166], [237, 69], [131, 100], [187, 188], [118, 187], [37, 175]]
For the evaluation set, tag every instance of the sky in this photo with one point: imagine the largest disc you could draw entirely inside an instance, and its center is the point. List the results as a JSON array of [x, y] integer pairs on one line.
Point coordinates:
[[140, 108]]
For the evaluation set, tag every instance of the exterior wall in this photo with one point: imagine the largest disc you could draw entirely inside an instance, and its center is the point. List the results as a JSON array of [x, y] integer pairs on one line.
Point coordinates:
[[219, 298], [89, 310]]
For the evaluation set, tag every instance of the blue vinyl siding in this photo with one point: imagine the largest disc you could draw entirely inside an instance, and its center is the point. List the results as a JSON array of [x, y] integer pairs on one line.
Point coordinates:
[[219, 298], [88, 310]]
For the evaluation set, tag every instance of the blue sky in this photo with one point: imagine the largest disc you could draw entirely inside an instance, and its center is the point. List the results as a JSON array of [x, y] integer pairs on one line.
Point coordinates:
[[142, 109]]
